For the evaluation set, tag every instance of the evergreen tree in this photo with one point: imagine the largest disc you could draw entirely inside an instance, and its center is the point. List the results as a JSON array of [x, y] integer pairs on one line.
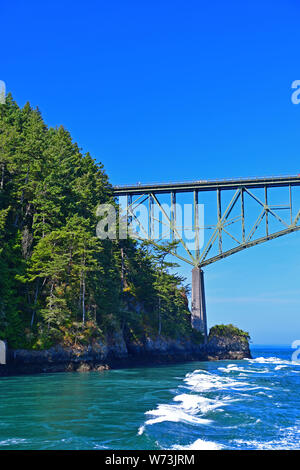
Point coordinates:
[[58, 282]]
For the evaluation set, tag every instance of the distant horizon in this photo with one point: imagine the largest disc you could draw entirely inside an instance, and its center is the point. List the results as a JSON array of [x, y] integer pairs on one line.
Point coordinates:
[[287, 346]]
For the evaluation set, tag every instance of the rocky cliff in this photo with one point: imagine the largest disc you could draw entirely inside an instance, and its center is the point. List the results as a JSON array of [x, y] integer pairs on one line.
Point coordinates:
[[119, 351]]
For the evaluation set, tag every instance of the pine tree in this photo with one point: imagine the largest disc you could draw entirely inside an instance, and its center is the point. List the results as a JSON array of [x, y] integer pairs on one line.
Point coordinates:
[[58, 282]]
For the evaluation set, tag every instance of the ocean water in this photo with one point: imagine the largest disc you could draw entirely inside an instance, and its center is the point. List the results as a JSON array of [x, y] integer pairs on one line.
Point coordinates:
[[249, 404]]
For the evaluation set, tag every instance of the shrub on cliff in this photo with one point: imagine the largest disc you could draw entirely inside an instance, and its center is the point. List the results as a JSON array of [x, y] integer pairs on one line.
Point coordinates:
[[228, 331]]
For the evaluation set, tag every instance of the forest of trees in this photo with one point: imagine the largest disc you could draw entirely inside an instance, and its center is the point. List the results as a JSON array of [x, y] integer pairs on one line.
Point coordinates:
[[58, 282]]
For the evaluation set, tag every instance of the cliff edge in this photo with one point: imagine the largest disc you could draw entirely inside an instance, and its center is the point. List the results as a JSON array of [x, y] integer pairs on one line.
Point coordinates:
[[120, 350]]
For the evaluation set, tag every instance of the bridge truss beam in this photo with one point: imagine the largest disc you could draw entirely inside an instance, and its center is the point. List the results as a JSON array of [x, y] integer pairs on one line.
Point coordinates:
[[214, 249]]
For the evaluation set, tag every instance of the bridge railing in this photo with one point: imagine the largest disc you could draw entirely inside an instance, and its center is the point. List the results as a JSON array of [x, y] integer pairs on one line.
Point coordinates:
[[208, 180]]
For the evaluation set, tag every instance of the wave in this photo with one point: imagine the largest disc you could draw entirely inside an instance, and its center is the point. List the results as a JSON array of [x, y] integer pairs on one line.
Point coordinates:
[[12, 441], [208, 392], [285, 443], [198, 403], [199, 444], [235, 368], [273, 360], [189, 407], [203, 381], [175, 413]]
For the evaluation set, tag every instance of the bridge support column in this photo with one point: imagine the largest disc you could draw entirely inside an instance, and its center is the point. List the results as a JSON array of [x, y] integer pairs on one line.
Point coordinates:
[[198, 319]]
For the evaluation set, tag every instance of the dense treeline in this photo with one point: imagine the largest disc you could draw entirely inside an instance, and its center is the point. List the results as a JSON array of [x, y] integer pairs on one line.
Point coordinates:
[[58, 282]]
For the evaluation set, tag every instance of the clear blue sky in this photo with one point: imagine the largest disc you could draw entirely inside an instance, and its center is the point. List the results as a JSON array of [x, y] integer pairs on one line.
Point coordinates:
[[166, 90]]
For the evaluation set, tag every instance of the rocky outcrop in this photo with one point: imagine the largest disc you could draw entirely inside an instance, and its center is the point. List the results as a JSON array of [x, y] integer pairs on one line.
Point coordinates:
[[118, 351], [232, 347]]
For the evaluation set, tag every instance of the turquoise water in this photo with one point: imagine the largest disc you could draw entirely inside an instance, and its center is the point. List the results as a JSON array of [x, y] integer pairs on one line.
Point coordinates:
[[249, 404]]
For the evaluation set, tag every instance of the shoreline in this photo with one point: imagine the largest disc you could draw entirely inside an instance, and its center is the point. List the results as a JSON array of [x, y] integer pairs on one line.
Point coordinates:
[[100, 357]]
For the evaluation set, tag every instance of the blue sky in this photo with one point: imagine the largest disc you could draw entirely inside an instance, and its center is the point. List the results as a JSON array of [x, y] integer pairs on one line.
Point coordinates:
[[171, 90]]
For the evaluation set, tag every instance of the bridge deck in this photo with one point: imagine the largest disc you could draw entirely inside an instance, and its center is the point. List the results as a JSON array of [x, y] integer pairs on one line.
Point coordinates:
[[207, 185]]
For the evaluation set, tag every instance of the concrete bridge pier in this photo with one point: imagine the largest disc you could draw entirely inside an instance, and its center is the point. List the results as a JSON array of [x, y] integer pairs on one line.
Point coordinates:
[[198, 316]]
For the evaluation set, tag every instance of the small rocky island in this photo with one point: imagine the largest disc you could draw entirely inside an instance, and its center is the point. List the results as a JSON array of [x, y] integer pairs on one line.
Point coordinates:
[[121, 350]]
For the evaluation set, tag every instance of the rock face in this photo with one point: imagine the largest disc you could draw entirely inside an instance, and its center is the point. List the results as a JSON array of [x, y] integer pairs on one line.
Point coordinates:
[[234, 348], [117, 352]]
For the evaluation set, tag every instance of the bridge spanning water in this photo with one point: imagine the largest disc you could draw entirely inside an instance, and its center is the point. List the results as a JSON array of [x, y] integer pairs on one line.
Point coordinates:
[[272, 221]]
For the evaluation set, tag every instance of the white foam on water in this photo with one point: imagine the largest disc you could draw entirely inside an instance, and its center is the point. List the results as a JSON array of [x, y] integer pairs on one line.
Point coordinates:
[[191, 407], [205, 382], [99, 446], [174, 413], [196, 403], [235, 368], [282, 444], [187, 407], [289, 439], [272, 360], [199, 444], [200, 382], [12, 441], [265, 394]]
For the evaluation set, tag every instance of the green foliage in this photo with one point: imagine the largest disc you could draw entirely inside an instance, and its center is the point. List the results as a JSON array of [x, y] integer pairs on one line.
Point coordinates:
[[228, 331], [58, 282]]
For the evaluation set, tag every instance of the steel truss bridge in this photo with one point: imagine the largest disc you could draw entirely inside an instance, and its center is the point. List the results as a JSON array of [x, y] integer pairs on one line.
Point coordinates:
[[286, 215]]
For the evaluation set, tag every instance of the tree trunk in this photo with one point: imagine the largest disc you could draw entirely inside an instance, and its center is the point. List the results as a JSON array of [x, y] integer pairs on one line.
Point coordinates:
[[159, 318], [83, 298], [34, 305]]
